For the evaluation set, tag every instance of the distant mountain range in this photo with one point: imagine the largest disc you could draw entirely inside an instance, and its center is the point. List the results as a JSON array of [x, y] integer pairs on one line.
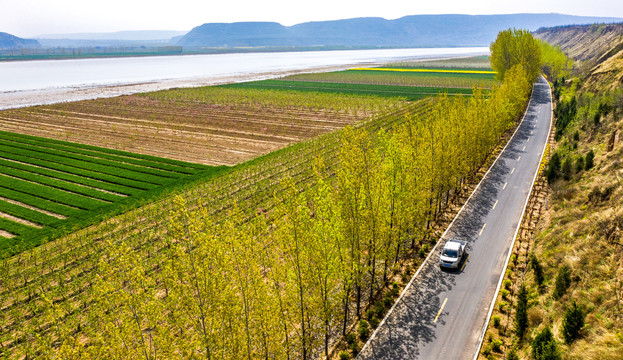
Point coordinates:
[[132, 35], [8, 41], [408, 31]]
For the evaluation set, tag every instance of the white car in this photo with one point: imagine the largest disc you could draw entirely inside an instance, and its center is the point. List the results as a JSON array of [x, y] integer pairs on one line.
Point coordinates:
[[452, 254]]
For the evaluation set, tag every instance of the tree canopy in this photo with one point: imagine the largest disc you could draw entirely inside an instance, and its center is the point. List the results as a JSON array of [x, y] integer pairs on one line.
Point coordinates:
[[516, 47]]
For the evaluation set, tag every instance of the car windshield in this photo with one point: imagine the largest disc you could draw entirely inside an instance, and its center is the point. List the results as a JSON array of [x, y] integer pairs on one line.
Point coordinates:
[[450, 253]]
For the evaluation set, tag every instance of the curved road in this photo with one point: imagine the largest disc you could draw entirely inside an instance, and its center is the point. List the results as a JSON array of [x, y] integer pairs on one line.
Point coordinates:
[[441, 315]]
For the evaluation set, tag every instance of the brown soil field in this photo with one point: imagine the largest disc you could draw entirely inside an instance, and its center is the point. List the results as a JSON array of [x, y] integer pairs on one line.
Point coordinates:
[[200, 132]]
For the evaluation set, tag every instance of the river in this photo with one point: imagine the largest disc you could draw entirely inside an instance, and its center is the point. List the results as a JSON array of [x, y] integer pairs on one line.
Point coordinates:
[[24, 83]]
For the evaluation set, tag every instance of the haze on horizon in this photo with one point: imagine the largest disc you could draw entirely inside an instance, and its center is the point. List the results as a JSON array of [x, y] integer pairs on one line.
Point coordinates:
[[30, 18]]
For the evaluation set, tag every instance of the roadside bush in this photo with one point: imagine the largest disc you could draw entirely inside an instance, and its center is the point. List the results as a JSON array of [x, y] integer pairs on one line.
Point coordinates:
[[512, 354], [562, 282], [553, 168], [344, 355], [505, 294], [544, 346], [364, 330], [538, 270], [496, 345], [379, 309], [573, 322], [350, 338], [395, 289], [496, 321], [374, 322], [370, 314], [502, 306], [521, 315], [507, 284]]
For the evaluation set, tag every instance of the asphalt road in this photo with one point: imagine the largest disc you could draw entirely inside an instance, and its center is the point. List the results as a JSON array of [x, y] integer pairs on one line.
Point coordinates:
[[441, 314]]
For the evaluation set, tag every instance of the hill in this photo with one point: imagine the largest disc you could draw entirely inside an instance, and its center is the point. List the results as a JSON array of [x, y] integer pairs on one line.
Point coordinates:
[[598, 48], [131, 35], [408, 31], [8, 41]]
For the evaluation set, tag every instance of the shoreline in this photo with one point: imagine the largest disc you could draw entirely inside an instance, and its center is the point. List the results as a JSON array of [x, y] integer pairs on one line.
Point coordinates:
[[49, 96]]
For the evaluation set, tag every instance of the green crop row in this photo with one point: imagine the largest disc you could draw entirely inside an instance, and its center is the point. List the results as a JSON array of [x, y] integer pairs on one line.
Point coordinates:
[[60, 184], [112, 179], [49, 193], [71, 178], [124, 154], [15, 228], [114, 164], [28, 214], [39, 202], [105, 169], [407, 92], [95, 154]]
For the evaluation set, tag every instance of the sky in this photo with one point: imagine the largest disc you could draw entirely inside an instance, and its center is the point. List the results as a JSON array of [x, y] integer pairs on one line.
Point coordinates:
[[29, 18]]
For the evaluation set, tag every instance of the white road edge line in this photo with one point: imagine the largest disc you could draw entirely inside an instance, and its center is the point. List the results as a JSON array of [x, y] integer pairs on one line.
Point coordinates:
[[510, 250], [444, 234], [483, 229], [496, 202], [504, 187]]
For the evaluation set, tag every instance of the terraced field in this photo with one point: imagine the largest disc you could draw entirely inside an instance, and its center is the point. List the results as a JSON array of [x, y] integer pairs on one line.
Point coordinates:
[[48, 187]]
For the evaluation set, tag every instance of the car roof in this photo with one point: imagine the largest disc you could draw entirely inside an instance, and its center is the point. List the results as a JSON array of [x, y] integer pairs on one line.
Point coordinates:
[[452, 245]]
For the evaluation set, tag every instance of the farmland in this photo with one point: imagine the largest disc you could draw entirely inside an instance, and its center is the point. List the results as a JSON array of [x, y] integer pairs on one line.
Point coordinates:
[[208, 125], [228, 267], [49, 187]]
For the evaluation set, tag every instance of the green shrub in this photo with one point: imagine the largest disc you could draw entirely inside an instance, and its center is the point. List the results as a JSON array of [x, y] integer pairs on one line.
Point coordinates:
[[538, 270], [395, 289], [521, 314], [512, 354], [573, 322], [579, 164], [589, 162], [374, 322], [388, 302], [364, 330], [567, 168], [507, 284], [553, 168], [544, 346], [502, 306], [505, 294], [496, 321], [344, 355], [350, 338], [370, 314], [562, 282], [379, 309], [496, 345]]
